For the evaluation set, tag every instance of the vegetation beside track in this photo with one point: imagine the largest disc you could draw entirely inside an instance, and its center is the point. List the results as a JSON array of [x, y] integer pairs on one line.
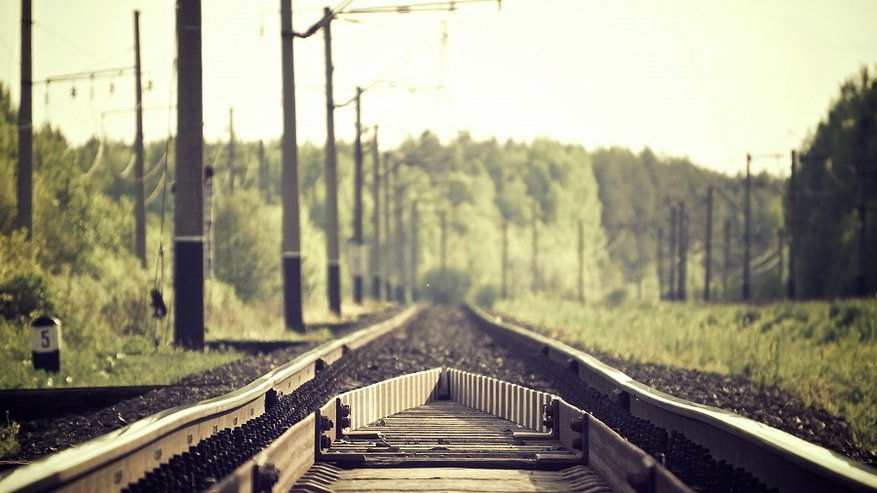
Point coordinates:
[[824, 352]]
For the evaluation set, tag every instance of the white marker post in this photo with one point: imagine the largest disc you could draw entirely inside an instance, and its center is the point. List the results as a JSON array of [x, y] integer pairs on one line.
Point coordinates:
[[45, 337]]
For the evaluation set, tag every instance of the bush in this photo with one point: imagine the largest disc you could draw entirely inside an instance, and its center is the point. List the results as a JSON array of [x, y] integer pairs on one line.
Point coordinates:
[[246, 246], [486, 296], [616, 297], [24, 295], [448, 286]]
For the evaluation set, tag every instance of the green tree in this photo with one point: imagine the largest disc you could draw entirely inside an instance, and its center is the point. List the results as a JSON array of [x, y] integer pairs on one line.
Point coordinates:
[[838, 162]]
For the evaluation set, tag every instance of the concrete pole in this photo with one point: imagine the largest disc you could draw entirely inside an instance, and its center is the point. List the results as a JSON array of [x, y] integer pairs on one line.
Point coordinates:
[[291, 244], [189, 208]]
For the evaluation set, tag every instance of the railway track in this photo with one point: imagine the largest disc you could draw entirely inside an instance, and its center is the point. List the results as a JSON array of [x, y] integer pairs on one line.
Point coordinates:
[[310, 427]]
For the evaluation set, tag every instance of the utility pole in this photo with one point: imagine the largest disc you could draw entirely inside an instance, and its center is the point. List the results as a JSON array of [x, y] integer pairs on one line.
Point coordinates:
[[376, 221], [398, 201], [357, 264], [661, 263], [747, 230], [209, 180], [291, 246], [334, 278], [24, 180], [231, 151], [792, 226], [780, 248], [727, 270], [708, 260], [139, 194], [414, 248], [671, 292], [683, 251], [443, 254], [189, 208], [264, 179], [581, 283], [388, 242], [504, 290], [865, 127], [535, 286]]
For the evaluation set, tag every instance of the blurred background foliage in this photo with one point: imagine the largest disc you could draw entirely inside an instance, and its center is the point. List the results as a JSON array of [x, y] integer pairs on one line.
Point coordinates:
[[80, 265]]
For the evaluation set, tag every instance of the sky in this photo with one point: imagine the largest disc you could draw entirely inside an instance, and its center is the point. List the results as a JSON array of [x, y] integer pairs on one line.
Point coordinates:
[[706, 80]]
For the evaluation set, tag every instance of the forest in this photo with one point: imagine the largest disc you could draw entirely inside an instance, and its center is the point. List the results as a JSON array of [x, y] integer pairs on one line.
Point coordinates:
[[506, 218]]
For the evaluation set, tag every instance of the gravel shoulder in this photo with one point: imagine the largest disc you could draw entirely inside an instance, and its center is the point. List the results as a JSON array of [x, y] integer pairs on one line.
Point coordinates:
[[40, 437], [440, 336], [766, 404]]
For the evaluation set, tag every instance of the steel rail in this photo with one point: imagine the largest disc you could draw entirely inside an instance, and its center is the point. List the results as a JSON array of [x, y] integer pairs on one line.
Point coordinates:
[[777, 458], [624, 467], [121, 457]]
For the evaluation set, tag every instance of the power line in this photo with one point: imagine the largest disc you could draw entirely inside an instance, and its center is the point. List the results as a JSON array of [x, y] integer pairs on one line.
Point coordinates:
[[418, 7]]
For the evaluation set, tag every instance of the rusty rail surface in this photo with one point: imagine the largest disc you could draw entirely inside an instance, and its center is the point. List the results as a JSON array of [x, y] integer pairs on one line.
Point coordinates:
[[777, 458]]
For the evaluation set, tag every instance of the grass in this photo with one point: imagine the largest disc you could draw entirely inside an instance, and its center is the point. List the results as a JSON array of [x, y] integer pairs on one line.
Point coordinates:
[[98, 351], [824, 352], [9, 437]]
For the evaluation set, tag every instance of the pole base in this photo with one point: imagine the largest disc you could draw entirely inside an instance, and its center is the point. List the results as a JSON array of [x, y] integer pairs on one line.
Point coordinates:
[[292, 309]]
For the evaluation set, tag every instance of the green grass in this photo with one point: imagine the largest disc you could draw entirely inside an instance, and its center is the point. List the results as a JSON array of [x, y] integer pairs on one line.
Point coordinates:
[[9, 437], [824, 352]]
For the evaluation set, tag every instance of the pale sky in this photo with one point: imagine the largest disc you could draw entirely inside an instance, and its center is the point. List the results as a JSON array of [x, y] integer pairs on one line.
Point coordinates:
[[704, 79]]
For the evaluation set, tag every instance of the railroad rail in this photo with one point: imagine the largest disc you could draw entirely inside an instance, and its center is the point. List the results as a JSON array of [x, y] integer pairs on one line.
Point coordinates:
[[522, 435], [777, 458]]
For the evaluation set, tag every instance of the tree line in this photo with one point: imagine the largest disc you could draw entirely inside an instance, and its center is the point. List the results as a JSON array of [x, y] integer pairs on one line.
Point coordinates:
[[513, 217]]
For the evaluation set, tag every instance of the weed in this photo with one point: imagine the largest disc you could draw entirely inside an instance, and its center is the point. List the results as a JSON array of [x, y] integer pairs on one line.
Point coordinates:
[[826, 353], [9, 437]]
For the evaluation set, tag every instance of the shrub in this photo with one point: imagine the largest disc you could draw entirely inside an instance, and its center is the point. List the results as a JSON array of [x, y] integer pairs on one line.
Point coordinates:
[[448, 286], [246, 246], [616, 297], [24, 295], [486, 296]]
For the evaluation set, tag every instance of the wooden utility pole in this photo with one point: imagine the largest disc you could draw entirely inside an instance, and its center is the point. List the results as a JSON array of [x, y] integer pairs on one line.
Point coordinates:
[[139, 194], [443, 254], [376, 220], [504, 288], [414, 251], [747, 230], [581, 252], [865, 129], [727, 270], [189, 208], [24, 181], [291, 246], [357, 264], [683, 252], [332, 253], [671, 292], [388, 242], [708, 244], [264, 179], [209, 180], [781, 264], [399, 253], [536, 285], [231, 152], [792, 226], [661, 294]]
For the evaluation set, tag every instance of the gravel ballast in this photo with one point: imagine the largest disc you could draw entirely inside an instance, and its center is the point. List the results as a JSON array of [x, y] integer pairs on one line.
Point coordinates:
[[439, 336]]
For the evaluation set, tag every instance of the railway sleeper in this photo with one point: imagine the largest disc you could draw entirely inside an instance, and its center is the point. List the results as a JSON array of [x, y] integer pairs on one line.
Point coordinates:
[[446, 429]]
